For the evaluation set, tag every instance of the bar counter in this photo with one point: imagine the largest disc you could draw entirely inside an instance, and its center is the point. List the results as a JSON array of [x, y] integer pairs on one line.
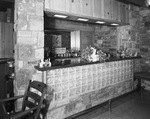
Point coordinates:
[[83, 63], [79, 87]]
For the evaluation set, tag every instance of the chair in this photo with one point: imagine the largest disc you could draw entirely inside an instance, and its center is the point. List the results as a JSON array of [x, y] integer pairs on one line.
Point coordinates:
[[141, 76], [32, 102]]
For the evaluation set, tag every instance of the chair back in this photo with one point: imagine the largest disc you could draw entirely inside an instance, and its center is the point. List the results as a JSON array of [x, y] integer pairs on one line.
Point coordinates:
[[34, 97]]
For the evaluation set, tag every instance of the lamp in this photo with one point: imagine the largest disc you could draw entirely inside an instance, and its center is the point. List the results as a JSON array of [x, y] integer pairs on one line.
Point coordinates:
[[148, 3], [60, 16], [113, 24], [100, 22], [82, 19]]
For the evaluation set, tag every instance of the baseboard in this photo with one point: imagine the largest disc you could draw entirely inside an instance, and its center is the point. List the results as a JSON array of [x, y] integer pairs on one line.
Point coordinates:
[[104, 106]]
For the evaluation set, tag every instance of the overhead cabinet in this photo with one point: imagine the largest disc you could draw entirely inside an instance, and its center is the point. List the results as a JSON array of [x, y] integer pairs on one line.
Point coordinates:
[[87, 6], [80, 7], [127, 13], [116, 11], [123, 12], [112, 10], [108, 9], [98, 9], [59, 5], [74, 6]]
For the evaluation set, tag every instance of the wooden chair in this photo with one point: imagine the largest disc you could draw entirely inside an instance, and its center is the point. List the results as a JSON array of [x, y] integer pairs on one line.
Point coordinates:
[[141, 76], [32, 102]]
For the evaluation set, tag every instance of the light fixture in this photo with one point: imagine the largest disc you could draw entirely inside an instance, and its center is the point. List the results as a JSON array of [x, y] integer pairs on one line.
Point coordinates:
[[81, 19], [100, 22], [113, 24], [147, 3], [60, 16]]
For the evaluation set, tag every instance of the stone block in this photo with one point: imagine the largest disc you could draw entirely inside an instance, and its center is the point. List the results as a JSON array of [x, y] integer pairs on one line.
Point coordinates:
[[22, 25], [39, 9], [33, 62], [20, 64], [145, 67], [144, 12], [40, 39], [36, 23], [20, 6], [22, 16], [144, 49], [23, 77], [30, 8], [147, 24], [25, 52], [37, 77], [35, 34], [20, 1], [26, 34], [30, 63], [145, 41], [28, 41], [41, 1], [39, 53]]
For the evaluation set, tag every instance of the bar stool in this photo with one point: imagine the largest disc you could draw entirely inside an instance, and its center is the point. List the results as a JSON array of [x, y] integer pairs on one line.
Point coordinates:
[[143, 76]]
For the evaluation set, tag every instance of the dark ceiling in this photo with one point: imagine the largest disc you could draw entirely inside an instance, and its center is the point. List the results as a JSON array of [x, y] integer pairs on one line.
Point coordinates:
[[4, 4], [141, 3]]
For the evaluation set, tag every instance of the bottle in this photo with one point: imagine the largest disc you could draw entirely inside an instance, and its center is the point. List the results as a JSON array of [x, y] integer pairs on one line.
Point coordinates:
[[49, 63], [41, 64]]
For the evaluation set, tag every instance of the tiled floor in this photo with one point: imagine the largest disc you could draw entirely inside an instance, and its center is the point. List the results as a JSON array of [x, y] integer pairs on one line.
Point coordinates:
[[128, 107]]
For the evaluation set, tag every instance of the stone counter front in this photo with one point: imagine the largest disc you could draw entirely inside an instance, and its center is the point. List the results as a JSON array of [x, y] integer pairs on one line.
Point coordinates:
[[79, 88]]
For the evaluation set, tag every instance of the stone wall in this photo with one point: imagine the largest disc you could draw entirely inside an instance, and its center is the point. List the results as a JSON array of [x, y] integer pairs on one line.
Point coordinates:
[[129, 35], [29, 41], [105, 38], [145, 39], [145, 42], [111, 38], [136, 36]]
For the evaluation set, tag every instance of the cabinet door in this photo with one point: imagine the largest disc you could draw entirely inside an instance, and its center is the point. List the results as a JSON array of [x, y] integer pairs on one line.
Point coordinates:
[[127, 13], [108, 9], [87, 7], [98, 9], [73, 6], [59, 5], [122, 12], [115, 11]]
